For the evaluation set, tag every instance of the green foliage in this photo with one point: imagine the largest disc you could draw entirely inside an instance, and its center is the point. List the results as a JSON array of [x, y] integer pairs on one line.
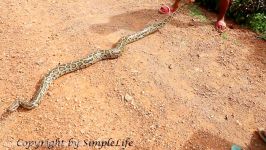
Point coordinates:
[[249, 12], [258, 22], [224, 36], [263, 36], [242, 10]]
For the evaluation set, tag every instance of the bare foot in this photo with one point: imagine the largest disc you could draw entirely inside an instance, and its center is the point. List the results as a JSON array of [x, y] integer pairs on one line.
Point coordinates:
[[220, 25]]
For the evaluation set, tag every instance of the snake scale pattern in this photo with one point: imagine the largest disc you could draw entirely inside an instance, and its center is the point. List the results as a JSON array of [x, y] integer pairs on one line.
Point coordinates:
[[94, 57]]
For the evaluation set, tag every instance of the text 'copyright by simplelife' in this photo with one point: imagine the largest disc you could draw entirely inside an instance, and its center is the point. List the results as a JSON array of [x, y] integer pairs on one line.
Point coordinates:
[[74, 143]]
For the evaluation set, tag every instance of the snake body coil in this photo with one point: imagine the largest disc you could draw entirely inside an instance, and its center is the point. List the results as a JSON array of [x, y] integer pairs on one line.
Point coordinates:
[[94, 57]]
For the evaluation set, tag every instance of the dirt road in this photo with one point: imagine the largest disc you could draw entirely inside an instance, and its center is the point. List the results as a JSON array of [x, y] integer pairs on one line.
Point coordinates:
[[184, 87]]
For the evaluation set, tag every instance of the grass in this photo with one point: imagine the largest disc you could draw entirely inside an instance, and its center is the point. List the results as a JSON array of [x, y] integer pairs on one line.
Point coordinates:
[[263, 36], [196, 12], [224, 36]]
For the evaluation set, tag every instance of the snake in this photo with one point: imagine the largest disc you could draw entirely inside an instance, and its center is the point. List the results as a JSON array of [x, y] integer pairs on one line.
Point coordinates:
[[98, 55]]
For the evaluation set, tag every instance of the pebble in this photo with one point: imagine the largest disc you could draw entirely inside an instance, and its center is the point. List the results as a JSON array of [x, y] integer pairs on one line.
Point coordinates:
[[238, 123], [226, 117], [191, 24], [39, 62], [49, 93], [20, 71], [198, 55], [127, 97], [170, 66], [134, 71], [211, 116], [82, 131]]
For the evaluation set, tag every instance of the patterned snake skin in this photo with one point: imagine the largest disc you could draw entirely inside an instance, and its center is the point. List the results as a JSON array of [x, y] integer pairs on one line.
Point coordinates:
[[99, 55]]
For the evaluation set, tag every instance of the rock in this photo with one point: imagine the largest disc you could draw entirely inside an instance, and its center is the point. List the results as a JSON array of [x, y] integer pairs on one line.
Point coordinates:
[[128, 98], [82, 131], [39, 62], [170, 66], [49, 93], [20, 71], [226, 117], [210, 117], [191, 24], [238, 122], [133, 71], [198, 55]]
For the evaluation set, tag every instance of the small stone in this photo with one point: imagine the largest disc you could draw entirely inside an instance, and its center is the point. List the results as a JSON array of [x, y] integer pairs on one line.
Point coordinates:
[[238, 123], [226, 117], [127, 97], [39, 62], [191, 24], [49, 93], [170, 66], [153, 127], [82, 131], [198, 55], [20, 71], [134, 71]]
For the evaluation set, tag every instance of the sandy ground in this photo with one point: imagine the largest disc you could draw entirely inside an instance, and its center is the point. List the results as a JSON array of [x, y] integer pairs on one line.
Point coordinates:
[[186, 86]]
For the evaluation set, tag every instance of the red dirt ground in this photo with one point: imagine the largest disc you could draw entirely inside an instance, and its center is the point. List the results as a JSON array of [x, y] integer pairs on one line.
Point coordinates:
[[187, 86]]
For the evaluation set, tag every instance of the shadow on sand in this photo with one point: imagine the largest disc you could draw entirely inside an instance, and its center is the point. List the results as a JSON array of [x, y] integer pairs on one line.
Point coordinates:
[[202, 140], [137, 20]]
